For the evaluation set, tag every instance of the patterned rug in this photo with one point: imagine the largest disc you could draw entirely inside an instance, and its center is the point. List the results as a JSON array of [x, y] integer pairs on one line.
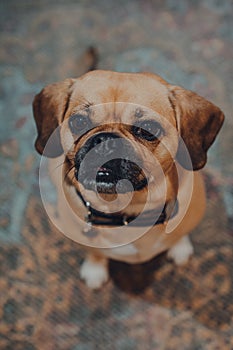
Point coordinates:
[[155, 305]]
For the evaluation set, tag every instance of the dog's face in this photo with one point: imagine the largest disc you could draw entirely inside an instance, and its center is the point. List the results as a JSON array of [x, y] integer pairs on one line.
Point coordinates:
[[114, 131], [121, 123]]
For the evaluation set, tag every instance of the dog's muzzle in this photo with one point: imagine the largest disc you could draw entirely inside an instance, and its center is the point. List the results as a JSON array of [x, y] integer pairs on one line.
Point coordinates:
[[105, 160]]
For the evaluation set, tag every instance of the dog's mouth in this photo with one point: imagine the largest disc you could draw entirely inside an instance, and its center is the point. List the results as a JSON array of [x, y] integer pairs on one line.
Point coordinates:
[[115, 176], [108, 164]]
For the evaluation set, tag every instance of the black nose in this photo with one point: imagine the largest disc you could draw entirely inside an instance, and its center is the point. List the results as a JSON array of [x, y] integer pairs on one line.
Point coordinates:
[[103, 143]]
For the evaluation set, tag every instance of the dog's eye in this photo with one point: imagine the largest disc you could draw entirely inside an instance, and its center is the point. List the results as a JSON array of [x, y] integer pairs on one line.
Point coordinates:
[[78, 123], [149, 130]]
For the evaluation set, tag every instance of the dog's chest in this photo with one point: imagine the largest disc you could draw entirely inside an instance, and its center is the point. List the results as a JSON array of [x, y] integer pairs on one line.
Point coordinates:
[[141, 250]]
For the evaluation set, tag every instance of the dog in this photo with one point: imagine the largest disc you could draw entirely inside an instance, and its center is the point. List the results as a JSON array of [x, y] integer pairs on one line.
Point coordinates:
[[164, 131]]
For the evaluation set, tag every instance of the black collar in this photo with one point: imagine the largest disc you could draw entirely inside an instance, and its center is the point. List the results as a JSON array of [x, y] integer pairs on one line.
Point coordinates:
[[99, 218]]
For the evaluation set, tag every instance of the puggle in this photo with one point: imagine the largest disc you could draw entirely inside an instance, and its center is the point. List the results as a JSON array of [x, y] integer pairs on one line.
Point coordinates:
[[125, 152]]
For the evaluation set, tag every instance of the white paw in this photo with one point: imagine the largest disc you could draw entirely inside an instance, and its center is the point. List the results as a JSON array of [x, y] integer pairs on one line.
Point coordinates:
[[181, 251], [95, 274]]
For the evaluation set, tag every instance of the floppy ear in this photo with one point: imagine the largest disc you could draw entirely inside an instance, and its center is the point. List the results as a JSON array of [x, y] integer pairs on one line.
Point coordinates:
[[49, 108], [199, 122]]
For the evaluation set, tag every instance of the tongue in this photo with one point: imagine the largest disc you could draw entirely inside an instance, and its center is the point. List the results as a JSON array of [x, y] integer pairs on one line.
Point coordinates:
[[101, 168]]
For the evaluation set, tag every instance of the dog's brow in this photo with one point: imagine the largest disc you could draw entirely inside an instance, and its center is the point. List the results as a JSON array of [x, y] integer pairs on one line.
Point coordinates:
[[83, 107], [86, 104]]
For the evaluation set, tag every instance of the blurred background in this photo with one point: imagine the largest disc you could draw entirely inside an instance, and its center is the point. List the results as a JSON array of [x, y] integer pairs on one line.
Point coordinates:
[[43, 304]]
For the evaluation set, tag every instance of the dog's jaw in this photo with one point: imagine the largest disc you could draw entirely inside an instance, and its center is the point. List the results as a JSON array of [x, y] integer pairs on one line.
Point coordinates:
[[116, 176], [108, 164]]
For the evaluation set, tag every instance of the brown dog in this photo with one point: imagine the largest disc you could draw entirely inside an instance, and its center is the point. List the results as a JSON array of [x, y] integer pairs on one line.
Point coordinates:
[[131, 127]]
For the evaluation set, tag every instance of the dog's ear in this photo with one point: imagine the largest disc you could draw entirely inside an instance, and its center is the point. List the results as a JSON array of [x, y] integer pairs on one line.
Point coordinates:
[[49, 108], [199, 122]]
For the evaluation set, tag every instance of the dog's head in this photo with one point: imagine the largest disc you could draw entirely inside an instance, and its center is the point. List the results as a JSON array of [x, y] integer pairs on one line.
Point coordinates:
[[111, 119]]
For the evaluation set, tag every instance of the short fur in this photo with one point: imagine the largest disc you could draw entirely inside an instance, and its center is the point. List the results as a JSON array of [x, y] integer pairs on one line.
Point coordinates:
[[196, 120]]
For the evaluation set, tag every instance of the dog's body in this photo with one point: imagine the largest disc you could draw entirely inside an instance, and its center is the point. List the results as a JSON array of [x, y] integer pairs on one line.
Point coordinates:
[[93, 114]]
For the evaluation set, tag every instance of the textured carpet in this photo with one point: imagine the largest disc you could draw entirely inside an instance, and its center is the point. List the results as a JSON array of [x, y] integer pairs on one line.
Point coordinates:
[[150, 306]]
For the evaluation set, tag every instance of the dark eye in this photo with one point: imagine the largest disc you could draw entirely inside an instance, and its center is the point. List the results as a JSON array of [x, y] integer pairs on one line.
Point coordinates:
[[148, 130], [78, 123]]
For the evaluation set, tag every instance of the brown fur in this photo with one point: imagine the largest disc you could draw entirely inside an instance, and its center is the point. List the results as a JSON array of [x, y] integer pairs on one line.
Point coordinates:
[[195, 119]]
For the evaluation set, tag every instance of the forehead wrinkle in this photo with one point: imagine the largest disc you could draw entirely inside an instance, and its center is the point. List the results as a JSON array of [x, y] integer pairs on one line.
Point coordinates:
[[113, 111], [116, 87]]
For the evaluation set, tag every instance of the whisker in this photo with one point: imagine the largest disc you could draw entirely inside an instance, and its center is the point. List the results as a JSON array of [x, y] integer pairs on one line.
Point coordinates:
[[59, 165], [67, 173]]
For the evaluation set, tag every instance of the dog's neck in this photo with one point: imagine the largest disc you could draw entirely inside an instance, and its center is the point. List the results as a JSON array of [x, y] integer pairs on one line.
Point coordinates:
[[148, 218]]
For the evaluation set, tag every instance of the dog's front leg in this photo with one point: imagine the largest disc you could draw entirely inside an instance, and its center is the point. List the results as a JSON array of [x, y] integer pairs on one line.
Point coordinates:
[[94, 271], [181, 251]]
